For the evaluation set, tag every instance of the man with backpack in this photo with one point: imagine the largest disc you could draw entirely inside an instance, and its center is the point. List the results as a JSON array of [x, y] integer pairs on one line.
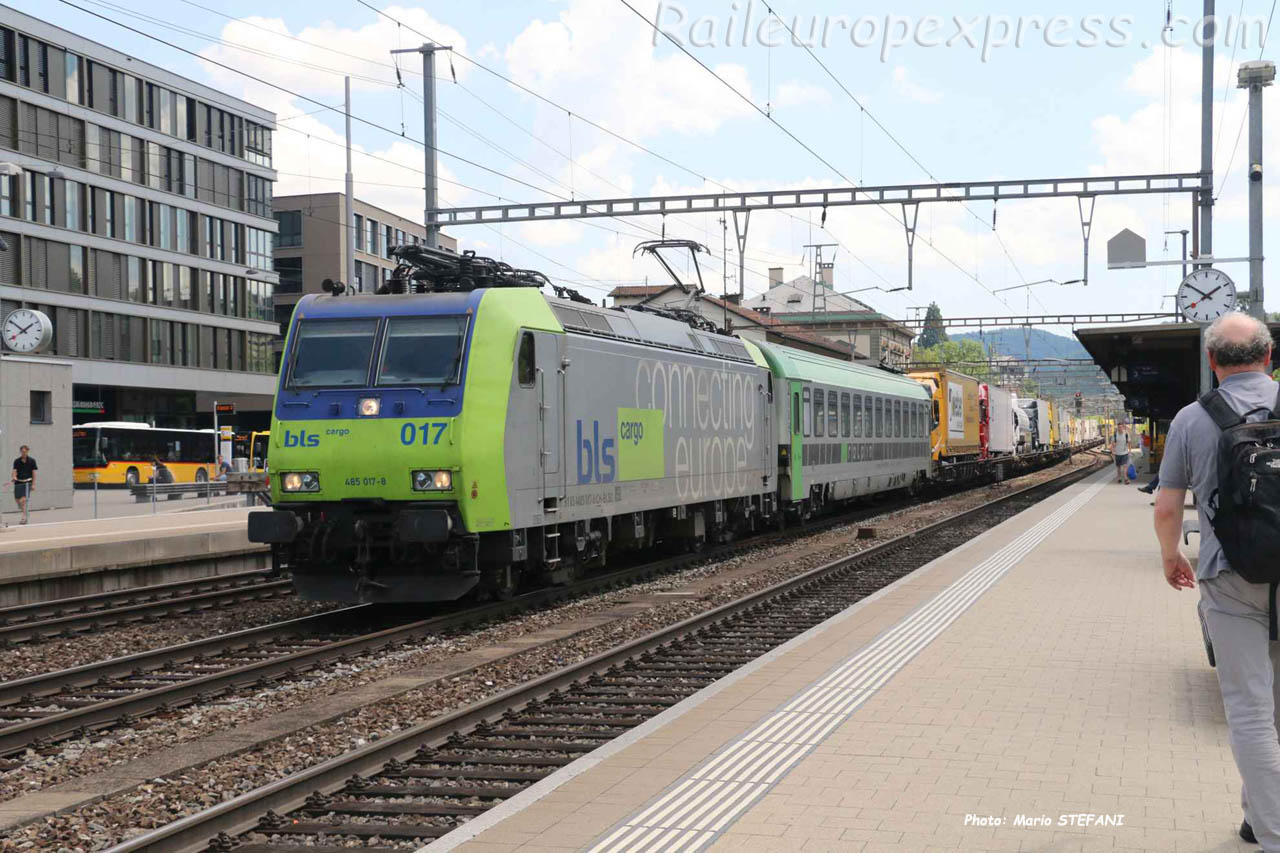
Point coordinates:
[[1220, 448]]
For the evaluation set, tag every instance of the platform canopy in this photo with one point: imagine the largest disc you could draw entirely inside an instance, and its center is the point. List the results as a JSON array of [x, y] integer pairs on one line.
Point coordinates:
[[1156, 368]]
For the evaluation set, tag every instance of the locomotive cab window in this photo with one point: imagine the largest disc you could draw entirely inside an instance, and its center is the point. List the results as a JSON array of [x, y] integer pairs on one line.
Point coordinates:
[[422, 351], [526, 368], [332, 353]]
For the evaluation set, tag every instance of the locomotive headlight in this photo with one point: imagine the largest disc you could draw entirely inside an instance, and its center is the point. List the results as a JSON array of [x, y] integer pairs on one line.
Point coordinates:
[[369, 407], [432, 481], [300, 481]]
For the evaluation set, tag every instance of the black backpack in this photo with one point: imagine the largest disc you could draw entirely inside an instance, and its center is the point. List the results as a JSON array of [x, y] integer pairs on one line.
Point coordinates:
[[1246, 504]]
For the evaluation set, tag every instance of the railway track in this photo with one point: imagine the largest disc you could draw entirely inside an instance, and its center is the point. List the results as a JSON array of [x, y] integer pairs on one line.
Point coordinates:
[[65, 617], [421, 783], [38, 711]]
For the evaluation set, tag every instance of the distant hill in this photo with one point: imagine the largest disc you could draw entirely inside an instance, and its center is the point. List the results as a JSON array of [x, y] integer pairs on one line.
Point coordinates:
[[1043, 345], [1011, 342]]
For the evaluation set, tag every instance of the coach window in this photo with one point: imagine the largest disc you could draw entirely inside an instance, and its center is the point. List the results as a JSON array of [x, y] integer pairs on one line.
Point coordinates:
[[845, 428], [808, 414], [867, 422], [819, 413], [833, 415], [795, 413], [897, 419], [879, 417], [857, 416], [527, 367]]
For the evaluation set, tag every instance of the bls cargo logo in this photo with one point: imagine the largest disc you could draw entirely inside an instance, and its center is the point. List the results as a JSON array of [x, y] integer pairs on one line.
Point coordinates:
[[595, 456], [302, 438], [636, 454]]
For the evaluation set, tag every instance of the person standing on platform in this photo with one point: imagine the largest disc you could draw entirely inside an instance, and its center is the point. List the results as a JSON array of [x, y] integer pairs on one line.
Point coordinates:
[[1120, 454], [1236, 612], [23, 479]]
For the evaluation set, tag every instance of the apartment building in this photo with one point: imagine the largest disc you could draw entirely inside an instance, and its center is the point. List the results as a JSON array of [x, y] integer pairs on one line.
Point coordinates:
[[311, 246], [135, 205]]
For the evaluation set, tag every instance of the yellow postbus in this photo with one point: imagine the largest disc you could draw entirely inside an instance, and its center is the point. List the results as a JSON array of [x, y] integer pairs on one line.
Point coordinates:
[[122, 453]]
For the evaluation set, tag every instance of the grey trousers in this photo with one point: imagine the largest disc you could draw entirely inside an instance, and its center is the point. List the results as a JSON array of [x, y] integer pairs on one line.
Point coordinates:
[[1249, 677]]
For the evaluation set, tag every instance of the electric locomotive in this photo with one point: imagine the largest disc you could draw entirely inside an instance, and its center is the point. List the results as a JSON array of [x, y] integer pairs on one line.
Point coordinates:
[[464, 431]]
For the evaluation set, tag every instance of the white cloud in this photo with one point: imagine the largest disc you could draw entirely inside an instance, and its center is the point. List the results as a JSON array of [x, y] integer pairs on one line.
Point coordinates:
[[798, 94], [911, 90], [603, 51]]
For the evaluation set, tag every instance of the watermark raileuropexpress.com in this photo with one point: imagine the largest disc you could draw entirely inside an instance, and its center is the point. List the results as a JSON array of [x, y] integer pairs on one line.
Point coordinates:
[[1076, 819], [749, 23]]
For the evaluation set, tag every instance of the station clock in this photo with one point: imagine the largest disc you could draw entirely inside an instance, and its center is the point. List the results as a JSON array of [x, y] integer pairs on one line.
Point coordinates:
[[27, 331], [1205, 295]]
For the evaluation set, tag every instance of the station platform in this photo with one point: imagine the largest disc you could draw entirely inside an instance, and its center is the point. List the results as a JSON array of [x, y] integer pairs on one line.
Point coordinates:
[[1040, 688], [67, 558]]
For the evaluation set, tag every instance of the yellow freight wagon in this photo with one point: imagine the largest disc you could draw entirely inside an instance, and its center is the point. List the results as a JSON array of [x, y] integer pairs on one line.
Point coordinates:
[[955, 413]]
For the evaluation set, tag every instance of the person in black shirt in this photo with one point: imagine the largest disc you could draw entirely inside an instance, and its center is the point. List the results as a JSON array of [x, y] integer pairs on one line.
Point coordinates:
[[23, 479]]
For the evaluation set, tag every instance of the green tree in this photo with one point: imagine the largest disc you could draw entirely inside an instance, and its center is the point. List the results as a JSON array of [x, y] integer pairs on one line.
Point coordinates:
[[967, 356], [935, 332]]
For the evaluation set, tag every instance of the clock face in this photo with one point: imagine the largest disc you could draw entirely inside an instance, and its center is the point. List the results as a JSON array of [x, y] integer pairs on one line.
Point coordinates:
[[26, 330], [1205, 295]]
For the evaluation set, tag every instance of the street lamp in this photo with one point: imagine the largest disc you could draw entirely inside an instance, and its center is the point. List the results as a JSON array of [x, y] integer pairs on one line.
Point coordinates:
[[1256, 76]]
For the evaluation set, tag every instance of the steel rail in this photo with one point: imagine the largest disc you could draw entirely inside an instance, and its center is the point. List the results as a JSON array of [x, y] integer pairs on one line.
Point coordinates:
[[246, 812], [65, 616]]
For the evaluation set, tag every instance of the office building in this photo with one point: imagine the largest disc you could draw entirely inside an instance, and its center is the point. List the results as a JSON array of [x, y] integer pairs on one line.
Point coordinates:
[[311, 246], [135, 205]]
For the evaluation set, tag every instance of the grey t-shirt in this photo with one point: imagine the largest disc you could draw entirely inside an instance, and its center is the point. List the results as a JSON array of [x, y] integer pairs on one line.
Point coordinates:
[[1191, 456], [1121, 447]]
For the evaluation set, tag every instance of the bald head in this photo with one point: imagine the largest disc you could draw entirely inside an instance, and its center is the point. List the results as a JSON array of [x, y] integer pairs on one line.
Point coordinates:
[[1237, 343]]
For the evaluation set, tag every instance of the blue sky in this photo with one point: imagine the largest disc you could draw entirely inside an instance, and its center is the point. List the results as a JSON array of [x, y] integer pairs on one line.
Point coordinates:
[[1030, 111]]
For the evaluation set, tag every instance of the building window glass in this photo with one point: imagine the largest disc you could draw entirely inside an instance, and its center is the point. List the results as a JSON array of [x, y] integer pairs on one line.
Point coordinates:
[[76, 274], [131, 99], [126, 157], [41, 407], [258, 248], [182, 232], [259, 300], [371, 245], [71, 191], [46, 201], [109, 213], [359, 226], [29, 197], [290, 235], [388, 240], [73, 78], [184, 288], [130, 219], [7, 205], [134, 290], [290, 270]]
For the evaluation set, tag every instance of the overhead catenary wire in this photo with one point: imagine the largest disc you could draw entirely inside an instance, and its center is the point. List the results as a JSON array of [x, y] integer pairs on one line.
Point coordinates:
[[626, 140], [928, 242], [864, 114]]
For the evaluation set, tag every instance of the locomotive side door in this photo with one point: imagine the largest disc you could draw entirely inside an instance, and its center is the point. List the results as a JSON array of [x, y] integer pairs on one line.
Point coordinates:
[[552, 380]]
